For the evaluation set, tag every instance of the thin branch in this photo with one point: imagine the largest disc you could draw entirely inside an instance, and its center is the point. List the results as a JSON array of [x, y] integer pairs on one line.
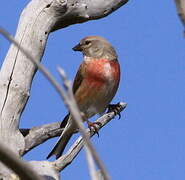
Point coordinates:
[[91, 164], [38, 135], [21, 168], [67, 158]]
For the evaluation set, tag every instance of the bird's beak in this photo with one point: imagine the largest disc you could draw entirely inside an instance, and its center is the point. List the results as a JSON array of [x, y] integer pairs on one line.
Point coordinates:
[[77, 48]]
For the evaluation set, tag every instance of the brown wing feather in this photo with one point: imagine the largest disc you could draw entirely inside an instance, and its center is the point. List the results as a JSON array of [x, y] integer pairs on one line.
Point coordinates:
[[79, 78], [76, 84]]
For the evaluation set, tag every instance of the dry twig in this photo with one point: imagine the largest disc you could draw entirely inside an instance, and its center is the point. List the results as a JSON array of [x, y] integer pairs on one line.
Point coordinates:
[[21, 168]]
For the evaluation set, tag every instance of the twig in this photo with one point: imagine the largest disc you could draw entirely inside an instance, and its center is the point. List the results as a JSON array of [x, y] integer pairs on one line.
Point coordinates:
[[67, 158], [21, 168], [40, 134], [91, 164]]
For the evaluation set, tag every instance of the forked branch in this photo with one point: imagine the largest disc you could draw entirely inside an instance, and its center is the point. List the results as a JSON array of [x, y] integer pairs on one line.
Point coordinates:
[[38, 135]]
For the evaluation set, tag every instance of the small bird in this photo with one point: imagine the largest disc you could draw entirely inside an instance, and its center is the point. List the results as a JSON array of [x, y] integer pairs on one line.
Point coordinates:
[[95, 85]]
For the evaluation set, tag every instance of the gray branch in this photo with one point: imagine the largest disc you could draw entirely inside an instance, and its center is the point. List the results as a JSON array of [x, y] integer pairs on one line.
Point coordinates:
[[18, 166], [38, 135], [79, 11]]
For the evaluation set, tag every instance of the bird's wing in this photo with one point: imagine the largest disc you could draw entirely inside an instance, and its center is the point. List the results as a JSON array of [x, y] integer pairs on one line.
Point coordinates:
[[79, 78], [76, 84]]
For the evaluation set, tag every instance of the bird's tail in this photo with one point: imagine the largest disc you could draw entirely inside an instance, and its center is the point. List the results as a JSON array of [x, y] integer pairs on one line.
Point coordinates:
[[63, 140]]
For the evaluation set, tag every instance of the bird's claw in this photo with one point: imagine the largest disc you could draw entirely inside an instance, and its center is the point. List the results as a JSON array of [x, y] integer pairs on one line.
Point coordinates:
[[114, 108], [93, 128]]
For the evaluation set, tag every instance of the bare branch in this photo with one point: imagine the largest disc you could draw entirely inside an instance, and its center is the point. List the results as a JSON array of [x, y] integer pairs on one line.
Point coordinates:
[[83, 10], [21, 168], [67, 158], [40, 134], [91, 164]]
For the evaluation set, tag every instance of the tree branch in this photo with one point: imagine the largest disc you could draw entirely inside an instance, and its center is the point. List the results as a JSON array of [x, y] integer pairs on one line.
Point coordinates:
[[38, 135], [21, 168], [67, 158], [84, 10], [91, 164]]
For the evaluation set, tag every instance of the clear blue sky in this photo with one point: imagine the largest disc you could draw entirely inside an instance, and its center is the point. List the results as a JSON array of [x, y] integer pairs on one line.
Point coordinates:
[[148, 142]]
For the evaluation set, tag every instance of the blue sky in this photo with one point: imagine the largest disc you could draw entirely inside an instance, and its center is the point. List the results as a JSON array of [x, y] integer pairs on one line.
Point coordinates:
[[148, 141]]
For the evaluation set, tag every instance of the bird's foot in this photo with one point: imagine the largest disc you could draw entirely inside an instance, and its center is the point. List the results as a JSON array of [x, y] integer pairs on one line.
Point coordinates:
[[93, 126], [114, 108]]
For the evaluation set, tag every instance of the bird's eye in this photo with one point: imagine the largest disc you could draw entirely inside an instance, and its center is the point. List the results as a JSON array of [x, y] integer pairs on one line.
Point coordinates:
[[87, 42]]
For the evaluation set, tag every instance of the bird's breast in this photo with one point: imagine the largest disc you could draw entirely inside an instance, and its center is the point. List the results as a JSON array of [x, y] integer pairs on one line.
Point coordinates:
[[103, 71], [100, 83]]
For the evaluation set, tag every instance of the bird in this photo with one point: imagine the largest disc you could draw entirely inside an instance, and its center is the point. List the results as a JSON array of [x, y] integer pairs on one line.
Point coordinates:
[[95, 84]]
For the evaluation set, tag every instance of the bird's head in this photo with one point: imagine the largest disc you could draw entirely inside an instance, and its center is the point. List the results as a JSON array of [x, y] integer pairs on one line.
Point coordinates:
[[96, 47]]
